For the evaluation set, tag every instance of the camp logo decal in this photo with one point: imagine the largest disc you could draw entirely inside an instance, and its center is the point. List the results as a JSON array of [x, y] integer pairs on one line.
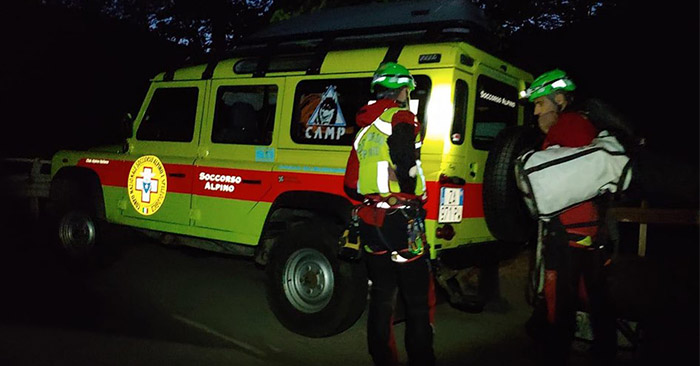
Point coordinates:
[[147, 185], [326, 121]]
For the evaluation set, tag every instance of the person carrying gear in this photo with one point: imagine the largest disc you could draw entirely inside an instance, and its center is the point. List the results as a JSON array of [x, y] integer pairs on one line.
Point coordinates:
[[574, 259], [384, 173]]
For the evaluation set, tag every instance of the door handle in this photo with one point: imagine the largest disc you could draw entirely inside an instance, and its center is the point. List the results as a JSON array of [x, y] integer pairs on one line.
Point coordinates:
[[202, 152]]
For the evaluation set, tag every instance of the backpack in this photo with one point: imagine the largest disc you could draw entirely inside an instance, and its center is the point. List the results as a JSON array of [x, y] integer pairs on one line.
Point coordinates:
[[558, 178], [606, 118]]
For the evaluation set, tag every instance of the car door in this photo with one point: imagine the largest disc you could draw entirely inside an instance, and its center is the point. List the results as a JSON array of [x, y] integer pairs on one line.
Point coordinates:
[[162, 153], [232, 173]]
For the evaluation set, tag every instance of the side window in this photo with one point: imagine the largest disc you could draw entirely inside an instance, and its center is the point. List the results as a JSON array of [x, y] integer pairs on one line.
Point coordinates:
[[324, 110], [244, 115], [496, 108], [459, 123], [170, 115]]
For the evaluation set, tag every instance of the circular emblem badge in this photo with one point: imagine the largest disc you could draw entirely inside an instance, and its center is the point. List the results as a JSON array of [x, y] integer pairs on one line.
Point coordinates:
[[147, 184]]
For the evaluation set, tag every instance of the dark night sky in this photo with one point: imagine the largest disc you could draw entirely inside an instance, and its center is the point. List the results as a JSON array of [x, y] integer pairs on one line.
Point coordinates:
[[643, 60], [69, 76]]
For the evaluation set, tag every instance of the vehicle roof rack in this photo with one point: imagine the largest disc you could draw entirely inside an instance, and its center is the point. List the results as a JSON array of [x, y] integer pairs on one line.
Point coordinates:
[[376, 18], [361, 26]]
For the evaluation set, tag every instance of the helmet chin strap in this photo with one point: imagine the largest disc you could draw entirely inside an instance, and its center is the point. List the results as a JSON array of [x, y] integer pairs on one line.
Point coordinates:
[[402, 104], [562, 106], [406, 102]]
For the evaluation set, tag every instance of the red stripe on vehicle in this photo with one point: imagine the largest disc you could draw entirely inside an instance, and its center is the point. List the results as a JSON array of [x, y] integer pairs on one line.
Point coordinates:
[[114, 173], [262, 186], [111, 172], [473, 200], [291, 181]]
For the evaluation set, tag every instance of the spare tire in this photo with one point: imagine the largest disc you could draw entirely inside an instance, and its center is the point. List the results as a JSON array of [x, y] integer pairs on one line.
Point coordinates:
[[507, 217]]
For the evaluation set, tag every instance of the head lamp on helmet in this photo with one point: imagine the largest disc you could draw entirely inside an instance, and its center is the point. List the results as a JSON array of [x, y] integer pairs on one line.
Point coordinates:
[[548, 83], [392, 76]]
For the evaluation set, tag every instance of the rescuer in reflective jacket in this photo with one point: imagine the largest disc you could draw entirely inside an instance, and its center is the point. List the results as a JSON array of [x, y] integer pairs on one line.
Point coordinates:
[[384, 173], [574, 260]]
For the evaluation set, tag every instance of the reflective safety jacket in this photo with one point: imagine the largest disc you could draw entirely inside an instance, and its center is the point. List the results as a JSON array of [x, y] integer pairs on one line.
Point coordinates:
[[370, 169]]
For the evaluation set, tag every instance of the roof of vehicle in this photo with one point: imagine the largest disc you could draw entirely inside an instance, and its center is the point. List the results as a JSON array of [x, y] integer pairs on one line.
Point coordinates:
[[374, 17]]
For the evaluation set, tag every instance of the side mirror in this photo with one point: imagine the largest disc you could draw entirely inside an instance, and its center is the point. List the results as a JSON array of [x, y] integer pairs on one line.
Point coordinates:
[[127, 126], [126, 130]]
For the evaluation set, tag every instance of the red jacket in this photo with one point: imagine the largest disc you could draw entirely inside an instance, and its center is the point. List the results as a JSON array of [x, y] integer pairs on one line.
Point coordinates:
[[574, 130]]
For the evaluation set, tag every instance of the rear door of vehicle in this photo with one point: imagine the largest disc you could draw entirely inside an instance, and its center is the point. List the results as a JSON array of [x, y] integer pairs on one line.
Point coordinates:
[[495, 107], [232, 173], [484, 104]]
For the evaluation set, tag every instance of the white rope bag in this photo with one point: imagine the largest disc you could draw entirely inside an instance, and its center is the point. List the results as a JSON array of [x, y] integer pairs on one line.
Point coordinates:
[[557, 178]]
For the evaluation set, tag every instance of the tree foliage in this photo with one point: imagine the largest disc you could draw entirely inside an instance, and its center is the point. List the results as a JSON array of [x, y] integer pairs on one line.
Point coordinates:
[[514, 15], [206, 26], [287, 9], [511, 15], [211, 26]]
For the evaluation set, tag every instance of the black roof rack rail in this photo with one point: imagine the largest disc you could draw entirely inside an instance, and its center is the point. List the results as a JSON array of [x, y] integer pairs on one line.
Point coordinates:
[[209, 71], [320, 55], [264, 61], [369, 37], [392, 54], [169, 74]]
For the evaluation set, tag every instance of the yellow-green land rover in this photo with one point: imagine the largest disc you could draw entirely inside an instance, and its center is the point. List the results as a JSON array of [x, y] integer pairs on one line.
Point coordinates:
[[236, 156]]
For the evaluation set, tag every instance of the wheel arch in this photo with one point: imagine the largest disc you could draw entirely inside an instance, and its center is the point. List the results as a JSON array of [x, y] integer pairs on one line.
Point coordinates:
[[77, 186], [294, 207]]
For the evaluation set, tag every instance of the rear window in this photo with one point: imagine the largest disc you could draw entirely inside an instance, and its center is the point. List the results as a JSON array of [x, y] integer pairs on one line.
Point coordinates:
[[496, 108], [324, 109], [459, 123], [244, 115]]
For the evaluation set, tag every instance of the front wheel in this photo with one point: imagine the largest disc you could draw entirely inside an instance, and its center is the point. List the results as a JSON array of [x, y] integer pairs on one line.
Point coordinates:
[[77, 234], [311, 291]]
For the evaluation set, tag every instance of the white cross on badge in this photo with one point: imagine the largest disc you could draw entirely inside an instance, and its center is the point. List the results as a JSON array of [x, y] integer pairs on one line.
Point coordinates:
[[146, 184]]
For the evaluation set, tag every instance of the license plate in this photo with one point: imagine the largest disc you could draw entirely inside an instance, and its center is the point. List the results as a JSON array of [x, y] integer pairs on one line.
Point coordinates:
[[451, 205]]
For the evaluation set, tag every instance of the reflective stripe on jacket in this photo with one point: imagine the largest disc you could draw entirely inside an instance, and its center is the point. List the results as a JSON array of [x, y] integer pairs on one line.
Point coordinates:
[[377, 172]]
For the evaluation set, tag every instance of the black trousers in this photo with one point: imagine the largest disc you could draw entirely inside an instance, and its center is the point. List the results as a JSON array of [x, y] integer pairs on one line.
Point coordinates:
[[566, 269], [413, 282]]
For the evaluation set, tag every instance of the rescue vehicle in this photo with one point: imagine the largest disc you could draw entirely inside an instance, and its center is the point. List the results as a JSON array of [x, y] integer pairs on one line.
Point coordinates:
[[246, 155]]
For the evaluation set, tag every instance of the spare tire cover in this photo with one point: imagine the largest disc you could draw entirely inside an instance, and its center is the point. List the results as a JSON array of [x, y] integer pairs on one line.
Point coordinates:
[[507, 217]]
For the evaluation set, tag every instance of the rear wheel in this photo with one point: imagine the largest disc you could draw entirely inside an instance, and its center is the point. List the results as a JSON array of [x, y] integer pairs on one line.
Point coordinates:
[[311, 291], [308, 280]]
